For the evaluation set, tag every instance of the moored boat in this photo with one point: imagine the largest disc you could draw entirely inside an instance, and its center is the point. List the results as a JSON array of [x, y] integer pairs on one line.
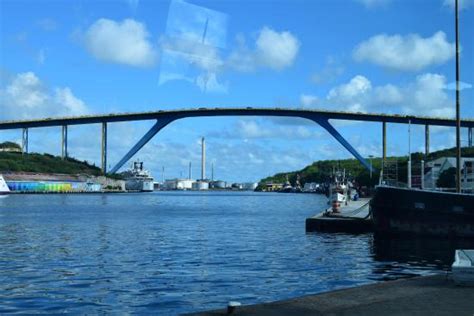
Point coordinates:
[[423, 212], [138, 179], [4, 189], [339, 191], [413, 211]]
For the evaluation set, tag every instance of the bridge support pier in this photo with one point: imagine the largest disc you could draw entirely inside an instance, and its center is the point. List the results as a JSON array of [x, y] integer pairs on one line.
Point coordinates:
[[427, 140], [64, 142], [24, 141], [103, 154], [324, 122], [469, 137], [160, 124], [384, 144]]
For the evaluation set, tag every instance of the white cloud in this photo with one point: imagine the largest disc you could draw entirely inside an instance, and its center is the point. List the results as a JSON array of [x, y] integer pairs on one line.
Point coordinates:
[[373, 3], [331, 70], [308, 100], [359, 85], [462, 86], [429, 97], [186, 58], [26, 97], [406, 53], [276, 50], [425, 96], [463, 4], [209, 82], [72, 105], [273, 49], [266, 128], [126, 42]]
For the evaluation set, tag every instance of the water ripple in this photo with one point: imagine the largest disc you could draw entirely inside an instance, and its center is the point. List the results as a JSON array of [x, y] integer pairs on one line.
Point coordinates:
[[176, 252]]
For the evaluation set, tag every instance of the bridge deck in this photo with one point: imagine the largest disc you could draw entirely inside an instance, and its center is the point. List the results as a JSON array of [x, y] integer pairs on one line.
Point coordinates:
[[248, 111]]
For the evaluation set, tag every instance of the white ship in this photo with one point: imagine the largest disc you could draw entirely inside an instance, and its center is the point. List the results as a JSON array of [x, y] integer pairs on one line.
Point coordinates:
[[4, 190], [137, 178]]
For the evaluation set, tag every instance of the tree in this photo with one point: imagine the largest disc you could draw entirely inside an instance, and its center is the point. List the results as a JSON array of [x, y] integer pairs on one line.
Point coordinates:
[[447, 178]]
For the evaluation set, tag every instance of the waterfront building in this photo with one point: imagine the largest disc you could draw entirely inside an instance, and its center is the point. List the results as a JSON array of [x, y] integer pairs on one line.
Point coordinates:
[[53, 186], [435, 167], [271, 186], [467, 180]]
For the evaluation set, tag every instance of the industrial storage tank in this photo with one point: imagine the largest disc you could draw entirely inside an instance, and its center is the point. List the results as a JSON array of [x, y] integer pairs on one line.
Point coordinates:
[[201, 185], [219, 184]]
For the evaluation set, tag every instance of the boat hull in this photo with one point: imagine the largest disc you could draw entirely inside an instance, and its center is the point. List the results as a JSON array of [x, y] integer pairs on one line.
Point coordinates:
[[411, 211]]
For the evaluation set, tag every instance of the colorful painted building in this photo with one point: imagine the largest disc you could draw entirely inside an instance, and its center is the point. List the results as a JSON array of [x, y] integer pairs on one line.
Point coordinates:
[[53, 186]]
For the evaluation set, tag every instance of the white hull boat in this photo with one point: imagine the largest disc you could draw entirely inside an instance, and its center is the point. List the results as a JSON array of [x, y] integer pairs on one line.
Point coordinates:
[[4, 189]]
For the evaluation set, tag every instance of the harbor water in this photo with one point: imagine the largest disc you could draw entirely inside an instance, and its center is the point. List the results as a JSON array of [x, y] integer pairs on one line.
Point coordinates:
[[175, 252]]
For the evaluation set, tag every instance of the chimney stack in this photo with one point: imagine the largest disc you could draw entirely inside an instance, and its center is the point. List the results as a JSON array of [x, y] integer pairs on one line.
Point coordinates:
[[190, 172], [203, 159]]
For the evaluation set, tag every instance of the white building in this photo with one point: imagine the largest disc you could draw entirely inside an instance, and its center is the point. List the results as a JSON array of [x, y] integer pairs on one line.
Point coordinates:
[[437, 166], [467, 180]]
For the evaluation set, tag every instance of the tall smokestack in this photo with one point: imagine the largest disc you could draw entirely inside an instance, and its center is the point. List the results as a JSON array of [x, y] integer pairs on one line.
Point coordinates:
[[190, 172], [163, 174], [212, 172], [203, 159]]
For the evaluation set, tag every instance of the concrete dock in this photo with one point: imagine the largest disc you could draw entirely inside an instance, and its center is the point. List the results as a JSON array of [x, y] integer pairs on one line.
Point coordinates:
[[353, 218], [429, 295]]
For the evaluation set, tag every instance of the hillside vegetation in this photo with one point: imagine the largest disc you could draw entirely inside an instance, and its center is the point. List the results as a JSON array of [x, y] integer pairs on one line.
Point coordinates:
[[44, 163], [320, 171]]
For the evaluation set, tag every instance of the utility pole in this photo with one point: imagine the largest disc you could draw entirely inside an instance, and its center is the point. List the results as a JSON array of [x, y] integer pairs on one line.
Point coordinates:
[[458, 107], [409, 155]]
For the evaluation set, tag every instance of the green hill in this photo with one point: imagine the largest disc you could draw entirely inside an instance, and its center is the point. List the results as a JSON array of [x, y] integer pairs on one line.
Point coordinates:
[[320, 171], [44, 163]]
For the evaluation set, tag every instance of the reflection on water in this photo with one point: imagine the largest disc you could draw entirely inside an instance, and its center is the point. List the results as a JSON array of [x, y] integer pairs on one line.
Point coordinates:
[[170, 253], [407, 256]]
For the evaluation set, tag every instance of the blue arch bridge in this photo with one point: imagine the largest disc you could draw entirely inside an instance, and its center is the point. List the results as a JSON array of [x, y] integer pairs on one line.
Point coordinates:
[[163, 118]]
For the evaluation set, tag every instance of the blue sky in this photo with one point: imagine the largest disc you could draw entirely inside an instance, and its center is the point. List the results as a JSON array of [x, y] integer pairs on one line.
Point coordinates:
[[82, 57]]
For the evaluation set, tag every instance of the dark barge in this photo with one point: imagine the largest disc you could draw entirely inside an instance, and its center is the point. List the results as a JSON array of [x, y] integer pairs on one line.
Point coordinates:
[[412, 211]]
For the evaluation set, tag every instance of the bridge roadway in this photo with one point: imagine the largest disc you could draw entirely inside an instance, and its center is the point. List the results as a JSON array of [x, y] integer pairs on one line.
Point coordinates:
[[249, 111], [163, 118]]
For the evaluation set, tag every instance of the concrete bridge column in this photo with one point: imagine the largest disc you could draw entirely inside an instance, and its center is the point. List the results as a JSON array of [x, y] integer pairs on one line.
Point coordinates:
[[104, 148], [24, 141], [427, 140], [64, 142], [469, 137], [384, 143]]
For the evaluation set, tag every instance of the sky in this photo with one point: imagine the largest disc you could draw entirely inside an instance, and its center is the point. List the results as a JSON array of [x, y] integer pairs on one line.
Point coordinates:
[[67, 58]]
